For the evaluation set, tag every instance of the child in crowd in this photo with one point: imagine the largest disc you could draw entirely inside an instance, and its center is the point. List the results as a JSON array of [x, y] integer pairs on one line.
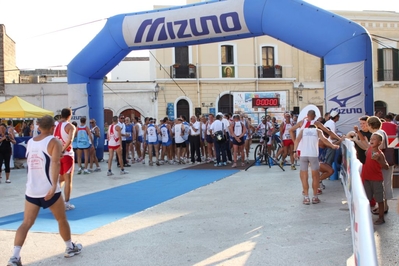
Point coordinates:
[[372, 174]]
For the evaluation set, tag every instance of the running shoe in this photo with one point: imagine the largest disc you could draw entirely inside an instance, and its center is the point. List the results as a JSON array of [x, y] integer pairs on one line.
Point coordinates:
[[224, 163], [157, 163], [70, 252], [79, 171], [123, 172], [319, 191], [69, 206], [109, 173], [98, 169], [8, 181], [293, 167], [315, 200], [151, 163], [14, 262], [234, 165], [86, 172]]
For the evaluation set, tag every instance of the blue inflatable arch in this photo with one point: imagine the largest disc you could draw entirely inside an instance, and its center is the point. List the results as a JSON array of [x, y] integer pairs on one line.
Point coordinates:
[[344, 45]]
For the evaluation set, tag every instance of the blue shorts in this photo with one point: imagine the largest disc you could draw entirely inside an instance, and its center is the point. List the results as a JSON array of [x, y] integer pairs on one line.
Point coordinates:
[[167, 144], [209, 139], [43, 203], [140, 139], [153, 143]]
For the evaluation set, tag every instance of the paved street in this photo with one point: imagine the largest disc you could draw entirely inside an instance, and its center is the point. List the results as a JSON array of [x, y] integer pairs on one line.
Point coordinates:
[[254, 217]]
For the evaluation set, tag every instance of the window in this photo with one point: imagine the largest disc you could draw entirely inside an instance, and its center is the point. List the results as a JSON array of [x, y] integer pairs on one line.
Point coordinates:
[[181, 55], [268, 56], [227, 52], [388, 64]]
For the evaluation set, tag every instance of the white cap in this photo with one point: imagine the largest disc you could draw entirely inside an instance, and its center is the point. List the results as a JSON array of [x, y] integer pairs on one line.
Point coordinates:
[[220, 113], [334, 113]]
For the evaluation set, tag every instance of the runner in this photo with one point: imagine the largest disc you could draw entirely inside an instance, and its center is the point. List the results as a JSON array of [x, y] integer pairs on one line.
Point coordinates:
[[43, 154], [66, 133]]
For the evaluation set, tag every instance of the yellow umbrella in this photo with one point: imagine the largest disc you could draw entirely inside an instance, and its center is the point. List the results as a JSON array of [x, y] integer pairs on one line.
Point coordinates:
[[18, 108]]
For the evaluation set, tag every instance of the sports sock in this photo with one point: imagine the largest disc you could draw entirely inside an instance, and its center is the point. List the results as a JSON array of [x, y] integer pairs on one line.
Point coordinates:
[[69, 243], [16, 252]]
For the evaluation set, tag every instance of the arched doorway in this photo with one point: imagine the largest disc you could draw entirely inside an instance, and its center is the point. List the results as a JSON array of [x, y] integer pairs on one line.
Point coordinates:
[[380, 106], [131, 113], [183, 108], [225, 104], [108, 114]]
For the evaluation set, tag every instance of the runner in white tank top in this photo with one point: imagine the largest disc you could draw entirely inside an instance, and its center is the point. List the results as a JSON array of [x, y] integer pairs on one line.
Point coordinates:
[[309, 137], [287, 142], [38, 160], [42, 189]]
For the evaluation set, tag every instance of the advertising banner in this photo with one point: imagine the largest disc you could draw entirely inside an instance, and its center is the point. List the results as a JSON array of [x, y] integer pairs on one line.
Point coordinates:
[[364, 250], [77, 101]]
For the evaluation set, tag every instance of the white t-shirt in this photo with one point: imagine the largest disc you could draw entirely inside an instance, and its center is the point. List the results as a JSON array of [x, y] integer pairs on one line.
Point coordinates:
[[217, 125], [177, 129], [196, 126]]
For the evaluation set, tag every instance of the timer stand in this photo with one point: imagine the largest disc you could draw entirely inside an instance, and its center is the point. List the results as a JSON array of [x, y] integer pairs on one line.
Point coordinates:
[[261, 151]]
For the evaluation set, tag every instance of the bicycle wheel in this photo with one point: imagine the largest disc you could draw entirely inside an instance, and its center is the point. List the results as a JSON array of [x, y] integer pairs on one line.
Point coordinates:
[[259, 153]]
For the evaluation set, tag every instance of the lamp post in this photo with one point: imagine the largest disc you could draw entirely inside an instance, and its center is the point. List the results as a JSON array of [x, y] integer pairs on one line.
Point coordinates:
[[298, 92], [156, 91]]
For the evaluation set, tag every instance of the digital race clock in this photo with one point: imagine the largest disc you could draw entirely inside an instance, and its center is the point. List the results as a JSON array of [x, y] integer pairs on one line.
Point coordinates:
[[265, 102]]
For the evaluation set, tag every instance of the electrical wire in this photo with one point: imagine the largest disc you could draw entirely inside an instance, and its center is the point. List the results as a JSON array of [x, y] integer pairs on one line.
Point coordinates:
[[164, 69]]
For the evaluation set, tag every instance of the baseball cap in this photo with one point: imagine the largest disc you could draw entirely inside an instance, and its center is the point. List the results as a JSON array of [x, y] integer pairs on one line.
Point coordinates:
[[220, 113]]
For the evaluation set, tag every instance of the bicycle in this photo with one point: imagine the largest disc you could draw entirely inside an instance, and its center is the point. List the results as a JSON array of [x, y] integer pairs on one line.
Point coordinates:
[[262, 156]]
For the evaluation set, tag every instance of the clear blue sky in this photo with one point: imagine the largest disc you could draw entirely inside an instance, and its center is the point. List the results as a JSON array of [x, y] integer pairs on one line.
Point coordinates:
[[37, 26]]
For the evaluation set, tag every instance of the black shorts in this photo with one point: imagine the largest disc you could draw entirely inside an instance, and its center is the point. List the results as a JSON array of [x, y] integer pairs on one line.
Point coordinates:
[[181, 145], [129, 141], [209, 139], [235, 142], [43, 203]]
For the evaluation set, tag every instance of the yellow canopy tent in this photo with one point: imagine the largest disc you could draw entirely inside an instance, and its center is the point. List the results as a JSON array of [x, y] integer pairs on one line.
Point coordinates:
[[18, 108]]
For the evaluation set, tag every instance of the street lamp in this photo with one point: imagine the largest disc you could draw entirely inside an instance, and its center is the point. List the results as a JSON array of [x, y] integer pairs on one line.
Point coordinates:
[[156, 91], [207, 105], [298, 92]]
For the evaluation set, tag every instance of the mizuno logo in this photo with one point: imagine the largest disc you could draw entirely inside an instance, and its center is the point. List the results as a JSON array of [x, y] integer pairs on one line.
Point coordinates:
[[76, 109], [181, 29], [342, 102]]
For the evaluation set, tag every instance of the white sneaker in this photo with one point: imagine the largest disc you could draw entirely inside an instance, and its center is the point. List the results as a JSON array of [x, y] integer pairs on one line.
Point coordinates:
[[79, 171], [98, 169], [70, 252], [123, 172], [109, 173], [86, 172], [69, 206]]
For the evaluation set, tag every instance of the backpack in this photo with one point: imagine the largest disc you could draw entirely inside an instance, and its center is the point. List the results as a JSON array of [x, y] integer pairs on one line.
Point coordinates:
[[220, 136]]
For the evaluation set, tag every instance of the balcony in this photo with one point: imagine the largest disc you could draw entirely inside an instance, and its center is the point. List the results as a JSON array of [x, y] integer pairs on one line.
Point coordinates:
[[387, 75], [270, 71], [178, 71]]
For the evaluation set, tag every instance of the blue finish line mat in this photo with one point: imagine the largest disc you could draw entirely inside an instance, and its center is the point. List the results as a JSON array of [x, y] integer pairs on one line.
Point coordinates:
[[107, 206]]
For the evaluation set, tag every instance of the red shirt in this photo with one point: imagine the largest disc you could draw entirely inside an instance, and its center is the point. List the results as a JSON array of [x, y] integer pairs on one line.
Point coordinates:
[[371, 168]]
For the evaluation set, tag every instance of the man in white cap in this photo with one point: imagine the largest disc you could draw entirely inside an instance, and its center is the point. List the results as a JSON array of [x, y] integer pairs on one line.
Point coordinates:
[[331, 124]]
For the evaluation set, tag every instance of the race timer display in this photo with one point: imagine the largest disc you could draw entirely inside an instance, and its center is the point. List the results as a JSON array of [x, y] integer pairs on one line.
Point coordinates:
[[265, 102]]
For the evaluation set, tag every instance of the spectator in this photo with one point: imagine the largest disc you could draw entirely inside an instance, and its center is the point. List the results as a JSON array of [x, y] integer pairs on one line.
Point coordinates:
[[372, 175], [5, 150]]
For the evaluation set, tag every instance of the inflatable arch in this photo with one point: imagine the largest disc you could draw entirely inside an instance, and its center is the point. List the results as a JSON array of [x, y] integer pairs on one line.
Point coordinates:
[[344, 45]]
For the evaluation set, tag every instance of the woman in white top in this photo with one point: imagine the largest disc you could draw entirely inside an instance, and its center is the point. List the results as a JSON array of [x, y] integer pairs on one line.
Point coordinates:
[[237, 131]]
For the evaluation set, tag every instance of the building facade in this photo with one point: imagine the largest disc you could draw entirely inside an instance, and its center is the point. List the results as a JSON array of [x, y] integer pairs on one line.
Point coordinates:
[[8, 70]]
